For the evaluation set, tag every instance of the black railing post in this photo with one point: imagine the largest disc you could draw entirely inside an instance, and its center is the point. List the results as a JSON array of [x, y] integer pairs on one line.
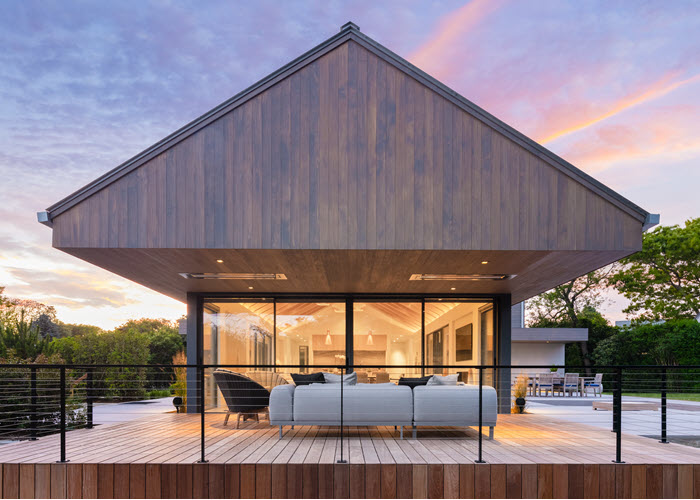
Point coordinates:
[[88, 397], [480, 460], [342, 383], [33, 408], [617, 418], [200, 395], [663, 406], [63, 414]]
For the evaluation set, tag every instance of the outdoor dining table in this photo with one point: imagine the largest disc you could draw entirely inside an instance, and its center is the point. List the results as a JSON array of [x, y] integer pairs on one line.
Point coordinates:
[[558, 380]]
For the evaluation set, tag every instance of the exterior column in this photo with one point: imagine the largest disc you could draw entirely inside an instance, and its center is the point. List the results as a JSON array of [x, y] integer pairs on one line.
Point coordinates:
[[504, 352], [193, 350]]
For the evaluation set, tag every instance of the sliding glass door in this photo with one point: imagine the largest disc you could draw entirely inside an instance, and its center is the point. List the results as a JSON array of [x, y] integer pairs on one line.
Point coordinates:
[[390, 338]]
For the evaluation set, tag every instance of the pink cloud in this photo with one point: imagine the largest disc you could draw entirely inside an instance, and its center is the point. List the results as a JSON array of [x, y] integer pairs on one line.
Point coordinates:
[[435, 55]]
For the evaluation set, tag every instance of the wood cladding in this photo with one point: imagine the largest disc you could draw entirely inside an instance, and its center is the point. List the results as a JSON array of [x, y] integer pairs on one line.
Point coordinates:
[[75, 480], [348, 152], [345, 271]]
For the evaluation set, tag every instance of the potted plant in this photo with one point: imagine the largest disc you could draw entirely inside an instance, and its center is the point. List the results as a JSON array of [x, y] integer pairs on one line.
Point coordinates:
[[179, 387], [519, 393]]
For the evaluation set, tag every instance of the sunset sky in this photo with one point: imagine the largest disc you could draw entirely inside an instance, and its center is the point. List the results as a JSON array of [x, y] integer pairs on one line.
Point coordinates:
[[613, 87]]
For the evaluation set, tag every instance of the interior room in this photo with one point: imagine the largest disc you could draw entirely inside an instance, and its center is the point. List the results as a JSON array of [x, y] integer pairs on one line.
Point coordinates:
[[389, 337]]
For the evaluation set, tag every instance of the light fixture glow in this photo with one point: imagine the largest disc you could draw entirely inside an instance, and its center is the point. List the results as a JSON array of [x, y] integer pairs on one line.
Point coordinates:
[[329, 340], [219, 261], [370, 340], [250, 288], [453, 288], [484, 261], [460, 277], [233, 276]]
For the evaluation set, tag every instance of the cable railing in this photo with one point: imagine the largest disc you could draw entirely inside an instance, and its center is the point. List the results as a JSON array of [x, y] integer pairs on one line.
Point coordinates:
[[352, 404]]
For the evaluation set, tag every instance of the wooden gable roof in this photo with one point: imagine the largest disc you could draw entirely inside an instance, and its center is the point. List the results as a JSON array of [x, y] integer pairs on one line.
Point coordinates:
[[347, 148]]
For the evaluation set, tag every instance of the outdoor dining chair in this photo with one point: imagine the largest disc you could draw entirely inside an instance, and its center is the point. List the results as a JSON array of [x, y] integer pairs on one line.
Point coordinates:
[[569, 384], [545, 381], [595, 383]]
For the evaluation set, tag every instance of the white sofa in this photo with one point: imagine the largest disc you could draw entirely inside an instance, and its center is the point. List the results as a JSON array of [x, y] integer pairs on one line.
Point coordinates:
[[454, 405], [382, 404], [363, 405]]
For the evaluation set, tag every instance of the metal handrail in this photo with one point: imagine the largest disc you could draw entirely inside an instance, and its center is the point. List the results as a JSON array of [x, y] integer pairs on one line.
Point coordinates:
[[200, 368]]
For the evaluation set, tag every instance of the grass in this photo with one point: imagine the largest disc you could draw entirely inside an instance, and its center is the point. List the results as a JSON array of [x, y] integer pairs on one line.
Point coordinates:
[[671, 395], [158, 393]]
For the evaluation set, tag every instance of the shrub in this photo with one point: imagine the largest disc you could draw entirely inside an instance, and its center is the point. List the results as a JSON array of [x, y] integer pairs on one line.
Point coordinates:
[[16, 402]]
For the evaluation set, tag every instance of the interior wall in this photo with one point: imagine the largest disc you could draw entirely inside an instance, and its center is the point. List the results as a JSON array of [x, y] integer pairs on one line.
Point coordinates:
[[462, 314]]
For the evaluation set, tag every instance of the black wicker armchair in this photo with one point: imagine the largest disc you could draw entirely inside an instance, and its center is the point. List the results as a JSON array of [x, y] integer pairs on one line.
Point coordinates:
[[243, 396]]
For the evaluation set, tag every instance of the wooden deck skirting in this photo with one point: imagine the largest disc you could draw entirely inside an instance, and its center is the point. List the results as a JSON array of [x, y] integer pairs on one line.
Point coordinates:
[[350, 480], [532, 456]]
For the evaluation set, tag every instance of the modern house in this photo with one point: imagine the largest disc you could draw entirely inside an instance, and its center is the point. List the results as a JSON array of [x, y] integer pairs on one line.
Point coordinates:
[[349, 209], [539, 346]]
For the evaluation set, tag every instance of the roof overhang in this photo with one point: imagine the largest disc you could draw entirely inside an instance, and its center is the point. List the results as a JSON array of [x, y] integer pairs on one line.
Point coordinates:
[[549, 335]]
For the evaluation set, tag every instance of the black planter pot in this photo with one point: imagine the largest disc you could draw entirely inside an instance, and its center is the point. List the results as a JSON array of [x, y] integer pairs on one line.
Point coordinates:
[[520, 403], [177, 403]]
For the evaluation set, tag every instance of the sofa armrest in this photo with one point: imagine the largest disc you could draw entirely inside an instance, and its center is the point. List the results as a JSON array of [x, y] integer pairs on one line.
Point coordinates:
[[282, 404]]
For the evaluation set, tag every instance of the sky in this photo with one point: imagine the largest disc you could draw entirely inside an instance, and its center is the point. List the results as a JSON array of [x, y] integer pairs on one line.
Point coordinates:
[[613, 87]]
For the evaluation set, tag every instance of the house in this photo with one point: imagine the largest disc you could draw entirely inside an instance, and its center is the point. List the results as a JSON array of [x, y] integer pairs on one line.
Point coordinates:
[[349, 210], [539, 346]]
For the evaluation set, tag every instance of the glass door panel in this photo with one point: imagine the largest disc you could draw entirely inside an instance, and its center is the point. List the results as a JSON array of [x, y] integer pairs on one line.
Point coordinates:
[[310, 333], [451, 338], [386, 333], [236, 333]]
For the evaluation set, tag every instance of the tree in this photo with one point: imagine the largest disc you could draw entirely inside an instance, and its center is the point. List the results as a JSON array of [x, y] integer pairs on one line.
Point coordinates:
[[77, 330], [20, 338], [662, 281], [573, 305], [46, 326], [676, 342]]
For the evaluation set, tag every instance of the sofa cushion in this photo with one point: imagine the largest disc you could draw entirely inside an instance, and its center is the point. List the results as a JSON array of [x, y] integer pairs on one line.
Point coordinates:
[[443, 380], [348, 379], [414, 381], [308, 378], [282, 404], [365, 404], [453, 405]]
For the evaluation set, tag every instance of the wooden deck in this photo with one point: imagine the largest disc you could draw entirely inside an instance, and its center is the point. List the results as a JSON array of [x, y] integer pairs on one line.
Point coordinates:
[[174, 438], [530, 457]]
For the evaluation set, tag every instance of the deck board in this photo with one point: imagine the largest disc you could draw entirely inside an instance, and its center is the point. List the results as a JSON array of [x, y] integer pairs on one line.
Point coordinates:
[[174, 438]]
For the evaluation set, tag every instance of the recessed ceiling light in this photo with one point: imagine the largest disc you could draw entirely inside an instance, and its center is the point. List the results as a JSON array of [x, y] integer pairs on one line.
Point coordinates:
[[250, 288], [453, 288], [484, 261], [219, 261]]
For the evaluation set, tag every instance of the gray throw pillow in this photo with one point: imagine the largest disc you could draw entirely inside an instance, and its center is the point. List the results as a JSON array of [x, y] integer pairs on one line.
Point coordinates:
[[348, 379], [443, 380]]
